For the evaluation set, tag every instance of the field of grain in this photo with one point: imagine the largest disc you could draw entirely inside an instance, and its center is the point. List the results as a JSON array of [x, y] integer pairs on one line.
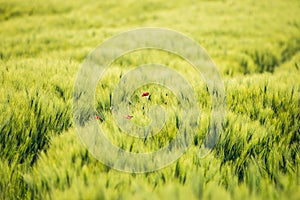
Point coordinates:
[[254, 44]]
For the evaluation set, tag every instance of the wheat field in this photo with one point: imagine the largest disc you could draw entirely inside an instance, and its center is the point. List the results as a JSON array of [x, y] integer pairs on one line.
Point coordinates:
[[254, 44]]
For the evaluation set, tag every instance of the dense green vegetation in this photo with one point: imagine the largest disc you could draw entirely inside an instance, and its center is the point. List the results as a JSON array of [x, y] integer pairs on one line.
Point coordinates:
[[256, 46]]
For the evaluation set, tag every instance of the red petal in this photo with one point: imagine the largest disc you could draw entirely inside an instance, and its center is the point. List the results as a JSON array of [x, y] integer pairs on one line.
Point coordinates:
[[129, 116], [145, 94]]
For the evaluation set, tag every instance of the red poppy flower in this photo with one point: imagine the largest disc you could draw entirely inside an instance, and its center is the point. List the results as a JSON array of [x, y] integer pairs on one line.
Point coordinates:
[[129, 116], [97, 117], [145, 94]]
